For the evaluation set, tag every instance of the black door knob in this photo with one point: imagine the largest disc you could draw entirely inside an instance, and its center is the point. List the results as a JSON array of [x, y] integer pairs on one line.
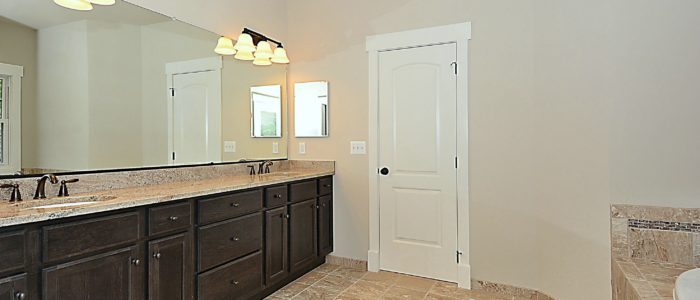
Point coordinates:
[[384, 171]]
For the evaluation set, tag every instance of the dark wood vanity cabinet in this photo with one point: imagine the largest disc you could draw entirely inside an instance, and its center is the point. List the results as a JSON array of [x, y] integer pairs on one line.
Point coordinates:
[[170, 268], [237, 245], [113, 275], [14, 288]]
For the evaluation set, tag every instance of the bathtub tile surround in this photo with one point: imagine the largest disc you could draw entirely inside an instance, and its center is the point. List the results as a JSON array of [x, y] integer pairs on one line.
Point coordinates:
[[651, 246]]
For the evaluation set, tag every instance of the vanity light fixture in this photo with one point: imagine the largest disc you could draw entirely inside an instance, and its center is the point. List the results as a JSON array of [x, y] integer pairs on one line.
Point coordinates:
[[246, 49], [83, 5], [225, 46]]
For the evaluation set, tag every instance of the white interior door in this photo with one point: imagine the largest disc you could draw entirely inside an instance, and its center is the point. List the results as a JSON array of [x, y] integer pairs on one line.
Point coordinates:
[[417, 146], [196, 118]]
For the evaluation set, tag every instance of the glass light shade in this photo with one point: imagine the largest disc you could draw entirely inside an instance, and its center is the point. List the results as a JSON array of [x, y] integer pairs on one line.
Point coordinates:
[[264, 50], [244, 55], [74, 4], [102, 2], [244, 43], [280, 56], [261, 61], [225, 46]]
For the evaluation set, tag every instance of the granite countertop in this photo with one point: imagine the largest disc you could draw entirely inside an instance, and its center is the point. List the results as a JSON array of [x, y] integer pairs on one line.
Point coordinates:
[[650, 280], [26, 212]]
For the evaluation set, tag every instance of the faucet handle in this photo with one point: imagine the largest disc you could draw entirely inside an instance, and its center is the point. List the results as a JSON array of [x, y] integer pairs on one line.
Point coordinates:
[[16, 194], [63, 190], [252, 170]]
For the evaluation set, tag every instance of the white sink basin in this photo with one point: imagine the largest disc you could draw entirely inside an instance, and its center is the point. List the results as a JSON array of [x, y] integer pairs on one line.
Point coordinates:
[[687, 286], [62, 202]]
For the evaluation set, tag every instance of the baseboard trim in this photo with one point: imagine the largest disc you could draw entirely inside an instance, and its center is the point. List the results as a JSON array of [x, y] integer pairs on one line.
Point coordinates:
[[347, 262], [373, 261], [509, 290]]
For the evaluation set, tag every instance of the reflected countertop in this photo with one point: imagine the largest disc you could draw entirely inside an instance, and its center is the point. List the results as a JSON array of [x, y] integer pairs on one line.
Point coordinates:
[[28, 211]]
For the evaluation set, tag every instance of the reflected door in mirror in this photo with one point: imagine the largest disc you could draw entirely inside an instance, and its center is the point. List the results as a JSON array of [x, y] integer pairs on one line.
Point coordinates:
[[266, 108]]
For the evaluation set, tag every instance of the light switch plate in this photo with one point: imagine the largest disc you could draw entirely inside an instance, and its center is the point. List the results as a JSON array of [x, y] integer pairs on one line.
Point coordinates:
[[302, 148], [358, 147], [275, 147], [229, 146]]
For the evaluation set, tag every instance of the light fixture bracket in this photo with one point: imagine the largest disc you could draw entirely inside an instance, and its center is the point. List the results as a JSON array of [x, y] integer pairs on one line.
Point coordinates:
[[258, 37]]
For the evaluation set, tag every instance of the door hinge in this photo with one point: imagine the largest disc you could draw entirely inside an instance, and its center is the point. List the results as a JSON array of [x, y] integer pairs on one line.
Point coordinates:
[[456, 162], [172, 92], [459, 253], [454, 66], [173, 156]]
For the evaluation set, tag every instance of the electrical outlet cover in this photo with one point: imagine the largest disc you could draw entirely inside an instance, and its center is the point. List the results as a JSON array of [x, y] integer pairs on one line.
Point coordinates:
[[302, 148], [229, 146], [358, 147]]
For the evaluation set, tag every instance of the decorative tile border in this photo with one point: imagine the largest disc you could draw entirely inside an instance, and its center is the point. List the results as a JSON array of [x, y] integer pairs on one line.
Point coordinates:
[[664, 225]]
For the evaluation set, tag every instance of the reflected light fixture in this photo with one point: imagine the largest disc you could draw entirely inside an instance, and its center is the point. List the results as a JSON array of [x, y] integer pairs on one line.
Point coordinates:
[[75, 4], [102, 2], [245, 49], [225, 46]]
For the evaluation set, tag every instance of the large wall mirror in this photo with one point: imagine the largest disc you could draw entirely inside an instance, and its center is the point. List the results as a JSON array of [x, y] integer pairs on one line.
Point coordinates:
[[311, 109], [124, 87]]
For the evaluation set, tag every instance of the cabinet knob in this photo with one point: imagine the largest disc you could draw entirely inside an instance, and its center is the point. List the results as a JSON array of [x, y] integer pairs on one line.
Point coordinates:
[[234, 282], [157, 255], [20, 296], [235, 205], [287, 216], [277, 196], [327, 185], [173, 218], [136, 262], [235, 239]]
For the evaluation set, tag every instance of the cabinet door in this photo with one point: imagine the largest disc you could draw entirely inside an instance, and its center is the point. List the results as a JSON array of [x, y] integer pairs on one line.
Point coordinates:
[[14, 288], [170, 269], [302, 234], [325, 225], [276, 251], [115, 275]]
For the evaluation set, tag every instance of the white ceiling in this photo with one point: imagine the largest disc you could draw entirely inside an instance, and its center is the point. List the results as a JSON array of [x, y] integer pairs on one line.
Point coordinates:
[[40, 14]]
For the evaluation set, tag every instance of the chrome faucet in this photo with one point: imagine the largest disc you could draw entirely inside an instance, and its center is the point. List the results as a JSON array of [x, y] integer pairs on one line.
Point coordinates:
[[264, 167], [41, 185]]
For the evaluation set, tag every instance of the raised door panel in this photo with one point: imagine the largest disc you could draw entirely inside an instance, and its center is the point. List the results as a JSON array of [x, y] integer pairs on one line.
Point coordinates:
[[276, 245], [12, 247], [14, 288], [115, 275], [325, 225], [170, 269], [302, 234]]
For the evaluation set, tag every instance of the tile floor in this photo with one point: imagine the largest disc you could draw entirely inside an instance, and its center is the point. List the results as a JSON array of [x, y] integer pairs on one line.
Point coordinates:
[[336, 282]]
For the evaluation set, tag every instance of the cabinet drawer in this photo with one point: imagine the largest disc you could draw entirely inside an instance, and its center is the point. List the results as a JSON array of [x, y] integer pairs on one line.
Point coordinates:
[[169, 218], [275, 196], [76, 238], [228, 240], [228, 206], [236, 280], [12, 249], [325, 186], [302, 190]]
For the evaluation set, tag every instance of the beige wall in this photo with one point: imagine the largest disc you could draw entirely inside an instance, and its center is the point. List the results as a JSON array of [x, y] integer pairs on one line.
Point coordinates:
[[22, 51], [573, 105]]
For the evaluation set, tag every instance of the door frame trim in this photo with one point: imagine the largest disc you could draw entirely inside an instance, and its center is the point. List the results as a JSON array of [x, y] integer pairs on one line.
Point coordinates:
[[456, 33], [194, 66]]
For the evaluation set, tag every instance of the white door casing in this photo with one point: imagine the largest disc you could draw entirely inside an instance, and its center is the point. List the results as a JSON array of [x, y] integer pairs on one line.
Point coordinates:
[[459, 35], [194, 111], [417, 146], [12, 110]]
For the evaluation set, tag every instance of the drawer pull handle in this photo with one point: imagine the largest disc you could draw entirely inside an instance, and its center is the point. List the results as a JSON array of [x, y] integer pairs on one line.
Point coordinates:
[[235, 239], [136, 262], [173, 218], [20, 296], [234, 282], [157, 255], [235, 205]]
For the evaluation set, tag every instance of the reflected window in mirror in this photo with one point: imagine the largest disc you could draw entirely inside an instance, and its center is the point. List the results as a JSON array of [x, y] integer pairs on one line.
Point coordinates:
[[311, 109], [266, 109]]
